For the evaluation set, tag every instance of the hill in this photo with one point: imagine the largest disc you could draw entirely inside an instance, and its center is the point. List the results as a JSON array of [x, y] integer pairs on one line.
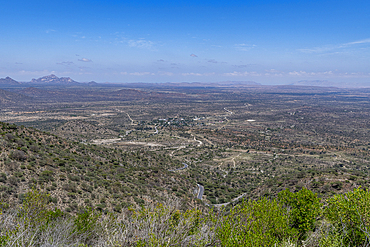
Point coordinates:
[[78, 175], [13, 100], [8, 81], [36, 92]]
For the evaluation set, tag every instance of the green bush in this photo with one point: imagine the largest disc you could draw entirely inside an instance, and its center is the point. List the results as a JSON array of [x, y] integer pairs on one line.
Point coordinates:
[[86, 221], [18, 155], [256, 223], [350, 214], [2, 177], [36, 209], [46, 176], [304, 206]]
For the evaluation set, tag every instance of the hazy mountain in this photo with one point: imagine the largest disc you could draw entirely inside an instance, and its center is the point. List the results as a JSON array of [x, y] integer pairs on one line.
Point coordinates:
[[326, 83], [8, 81], [92, 83], [52, 79], [212, 84], [239, 83]]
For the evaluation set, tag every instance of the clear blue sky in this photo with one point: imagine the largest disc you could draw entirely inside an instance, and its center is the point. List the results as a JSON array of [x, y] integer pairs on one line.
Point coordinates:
[[270, 42]]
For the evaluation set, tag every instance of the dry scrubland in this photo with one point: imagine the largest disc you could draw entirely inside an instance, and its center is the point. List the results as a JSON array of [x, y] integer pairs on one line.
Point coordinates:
[[292, 219], [110, 148]]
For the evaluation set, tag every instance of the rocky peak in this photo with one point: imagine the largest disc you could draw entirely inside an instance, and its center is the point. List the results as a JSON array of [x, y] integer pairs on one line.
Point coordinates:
[[9, 81], [53, 79]]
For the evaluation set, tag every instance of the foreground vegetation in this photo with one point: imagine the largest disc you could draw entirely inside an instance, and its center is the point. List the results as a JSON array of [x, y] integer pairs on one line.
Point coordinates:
[[291, 219]]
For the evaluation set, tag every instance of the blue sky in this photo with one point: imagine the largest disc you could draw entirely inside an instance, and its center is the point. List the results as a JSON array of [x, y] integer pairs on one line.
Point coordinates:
[[270, 42]]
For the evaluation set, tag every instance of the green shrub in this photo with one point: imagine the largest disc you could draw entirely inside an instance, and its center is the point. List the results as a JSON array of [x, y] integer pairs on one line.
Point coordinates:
[[36, 210], [13, 180], [350, 214], [2, 177], [256, 223], [46, 176], [74, 178], [86, 220], [18, 155], [304, 206]]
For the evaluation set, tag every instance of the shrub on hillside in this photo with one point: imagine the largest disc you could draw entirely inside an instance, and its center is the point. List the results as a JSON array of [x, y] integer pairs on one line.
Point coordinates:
[[350, 215], [18, 155], [262, 222], [304, 206]]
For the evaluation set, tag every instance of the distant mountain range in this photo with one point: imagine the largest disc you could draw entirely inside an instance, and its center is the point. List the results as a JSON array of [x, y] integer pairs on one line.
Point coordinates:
[[213, 84], [52, 79], [326, 83], [67, 81]]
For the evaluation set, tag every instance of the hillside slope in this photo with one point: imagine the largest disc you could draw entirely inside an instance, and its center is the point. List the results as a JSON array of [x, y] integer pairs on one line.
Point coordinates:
[[78, 175]]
